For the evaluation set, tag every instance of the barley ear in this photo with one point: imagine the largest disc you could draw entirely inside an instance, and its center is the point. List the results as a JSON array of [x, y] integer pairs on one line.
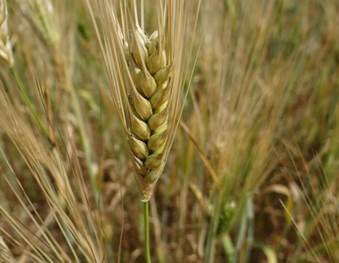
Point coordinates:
[[6, 55], [149, 106], [147, 74]]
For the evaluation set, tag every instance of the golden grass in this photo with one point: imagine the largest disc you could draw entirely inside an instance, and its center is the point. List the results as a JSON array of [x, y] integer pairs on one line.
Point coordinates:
[[247, 156]]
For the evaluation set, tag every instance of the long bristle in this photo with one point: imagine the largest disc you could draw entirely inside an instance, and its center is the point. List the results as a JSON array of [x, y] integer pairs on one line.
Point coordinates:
[[78, 228], [5, 253]]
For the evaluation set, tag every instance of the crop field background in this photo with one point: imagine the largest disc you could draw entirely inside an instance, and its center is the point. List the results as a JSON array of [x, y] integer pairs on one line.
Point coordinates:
[[251, 176]]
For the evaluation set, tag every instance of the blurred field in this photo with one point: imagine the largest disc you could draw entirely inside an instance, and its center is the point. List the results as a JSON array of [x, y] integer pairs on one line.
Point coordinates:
[[253, 172]]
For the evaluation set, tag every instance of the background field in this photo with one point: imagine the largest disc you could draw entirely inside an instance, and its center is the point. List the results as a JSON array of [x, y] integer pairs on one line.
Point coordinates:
[[253, 172]]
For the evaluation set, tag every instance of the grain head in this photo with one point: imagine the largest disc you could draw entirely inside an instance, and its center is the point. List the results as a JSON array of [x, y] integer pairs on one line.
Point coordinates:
[[147, 74]]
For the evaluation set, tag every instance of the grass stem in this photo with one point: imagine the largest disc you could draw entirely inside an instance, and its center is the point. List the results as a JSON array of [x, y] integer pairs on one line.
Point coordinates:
[[147, 233]]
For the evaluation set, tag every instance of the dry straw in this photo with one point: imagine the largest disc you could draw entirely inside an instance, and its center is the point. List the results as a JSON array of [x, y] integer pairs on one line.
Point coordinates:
[[6, 56], [54, 173], [43, 17], [147, 73], [5, 253]]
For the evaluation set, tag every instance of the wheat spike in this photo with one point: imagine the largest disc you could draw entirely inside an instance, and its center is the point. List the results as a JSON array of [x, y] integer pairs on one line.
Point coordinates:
[[6, 56], [148, 104], [5, 253], [147, 74]]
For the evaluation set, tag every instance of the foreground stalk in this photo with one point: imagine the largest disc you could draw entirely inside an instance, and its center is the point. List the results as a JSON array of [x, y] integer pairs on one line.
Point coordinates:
[[147, 249]]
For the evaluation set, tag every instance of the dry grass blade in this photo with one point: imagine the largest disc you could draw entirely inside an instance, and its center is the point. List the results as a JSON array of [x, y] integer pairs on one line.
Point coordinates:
[[147, 73], [6, 56], [52, 174], [42, 16], [5, 253], [321, 206]]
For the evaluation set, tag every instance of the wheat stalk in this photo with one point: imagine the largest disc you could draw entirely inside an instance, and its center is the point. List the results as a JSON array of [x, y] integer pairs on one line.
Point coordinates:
[[5, 253], [6, 56], [147, 74]]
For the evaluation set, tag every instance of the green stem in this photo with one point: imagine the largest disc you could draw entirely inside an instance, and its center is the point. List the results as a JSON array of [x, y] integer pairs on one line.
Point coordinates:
[[147, 233]]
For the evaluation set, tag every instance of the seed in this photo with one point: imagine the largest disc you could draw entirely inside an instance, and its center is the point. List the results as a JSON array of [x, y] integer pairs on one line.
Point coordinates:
[[145, 83], [156, 62], [139, 148], [142, 106], [140, 128]]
